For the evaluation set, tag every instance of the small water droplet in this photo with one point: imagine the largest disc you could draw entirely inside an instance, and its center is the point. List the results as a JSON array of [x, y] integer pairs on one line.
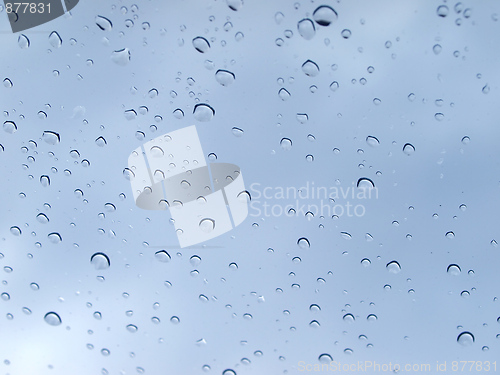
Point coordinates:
[[325, 358], [437, 49], [372, 141], [334, 86], [237, 132], [132, 328], [55, 39], [348, 318], [450, 235], [286, 144], [346, 33], [284, 94], [234, 4], [54, 237], [101, 142], [224, 77], [207, 225], [365, 183]]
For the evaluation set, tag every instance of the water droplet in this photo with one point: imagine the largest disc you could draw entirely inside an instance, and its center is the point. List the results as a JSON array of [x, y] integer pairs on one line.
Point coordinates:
[[284, 94], [5, 296], [310, 68], [55, 39], [442, 11], [207, 225], [16, 231], [408, 149], [201, 44], [371, 318], [365, 183], [156, 152], [234, 4], [51, 138], [100, 261], [23, 41], [103, 23], [324, 15], [121, 57], [306, 28], [54, 237], [42, 218], [178, 113], [131, 328], [45, 180], [130, 114], [465, 140], [465, 338], [325, 358], [437, 49], [345, 235], [393, 267], [101, 142], [105, 352], [314, 324], [52, 319], [9, 127], [334, 86], [162, 256], [486, 89], [439, 116], [203, 112], [303, 243], [346, 33], [372, 141], [454, 269], [175, 320], [34, 286], [450, 235], [348, 318], [224, 77], [237, 132], [7, 83], [366, 262], [286, 144], [465, 294], [229, 372], [128, 174]]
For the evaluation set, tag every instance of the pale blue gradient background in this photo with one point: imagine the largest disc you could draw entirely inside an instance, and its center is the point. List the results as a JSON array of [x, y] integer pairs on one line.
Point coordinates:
[[437, 178]]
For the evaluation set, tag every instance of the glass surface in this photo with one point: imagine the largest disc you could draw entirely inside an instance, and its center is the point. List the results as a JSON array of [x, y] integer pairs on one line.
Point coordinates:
[[363, 136]]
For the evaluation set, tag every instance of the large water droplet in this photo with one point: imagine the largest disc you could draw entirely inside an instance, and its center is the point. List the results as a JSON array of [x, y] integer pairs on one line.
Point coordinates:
[[324, 15], [201, 44], [286, 144], [325, 358], [55, 39], [121, 57], [224, 77], [465, 338], [393, 267], [310, 68], [372, 141], [103, 23], [284, 94], [408, 149], [454, 269], [349, 318], [162, 256], [306, 28], [7, 83], [442, 11], [303, 243], [9, 127], [51, 137], [365, 183], [52, 318], [207, 225], [54, 237], [203, 112], [100, 261], [42, 218]]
